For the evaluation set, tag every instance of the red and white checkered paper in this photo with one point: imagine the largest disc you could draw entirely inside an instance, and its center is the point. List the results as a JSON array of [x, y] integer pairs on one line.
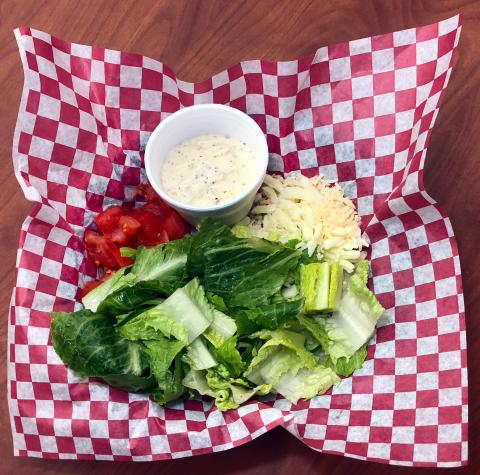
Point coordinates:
[[359, 112]]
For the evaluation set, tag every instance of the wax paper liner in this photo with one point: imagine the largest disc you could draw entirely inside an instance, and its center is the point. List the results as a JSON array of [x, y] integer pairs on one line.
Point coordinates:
[[359, 112]]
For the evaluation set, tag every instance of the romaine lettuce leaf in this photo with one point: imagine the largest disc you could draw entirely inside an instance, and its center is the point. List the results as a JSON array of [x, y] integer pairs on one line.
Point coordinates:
[[198, 355], [221, 329], [165, 262], [228, 355], [321, 285], [283, 351], [358, 311], [271, 316], [92, 300], [171, 387], [344, 335], [130, 298], [306, 383], [186, 314], [91, 346], [229, 393], [243, 272], [241, 281], [346, 366]]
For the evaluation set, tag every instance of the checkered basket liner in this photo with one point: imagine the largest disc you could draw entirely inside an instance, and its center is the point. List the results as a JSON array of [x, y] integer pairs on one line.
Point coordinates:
[[359, 112]]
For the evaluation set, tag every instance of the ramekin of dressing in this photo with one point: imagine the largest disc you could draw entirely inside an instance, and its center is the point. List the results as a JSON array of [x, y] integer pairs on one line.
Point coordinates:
[[207, 160]]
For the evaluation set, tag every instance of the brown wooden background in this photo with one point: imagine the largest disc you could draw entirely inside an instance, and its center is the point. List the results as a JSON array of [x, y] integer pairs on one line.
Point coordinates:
[[198, 39]]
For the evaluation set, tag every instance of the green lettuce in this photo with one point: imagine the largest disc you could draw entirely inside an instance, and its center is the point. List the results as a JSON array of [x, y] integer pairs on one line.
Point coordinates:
[[221, 328], [358, 312], [305, 383], [346, 366], [165, 262], [185, 315], [270, 316], [91, 346], [198, 355], [94, 298], [228, 355], [242, 272], [321, 285], [228, 392], [344, 335], [230, 274], [130, 298], [283, 351]]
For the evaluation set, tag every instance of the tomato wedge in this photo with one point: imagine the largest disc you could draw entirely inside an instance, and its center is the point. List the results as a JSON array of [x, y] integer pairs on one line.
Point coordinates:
[[107, 220], [129, 225], [103, 252], [175, 225], [151, 231]]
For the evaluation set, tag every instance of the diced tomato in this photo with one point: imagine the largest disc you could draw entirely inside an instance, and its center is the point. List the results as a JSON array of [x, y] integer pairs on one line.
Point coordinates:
[[129, 225], [151, 224], [89, 286], [121, 261], [175, 225], [119, 238], [103, 252], [108, 219], [151, 231], [100, 249]]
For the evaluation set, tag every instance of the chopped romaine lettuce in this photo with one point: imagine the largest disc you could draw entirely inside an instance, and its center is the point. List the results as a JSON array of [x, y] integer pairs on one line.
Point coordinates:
[[306, 383], [283, 351], [229, 356], [95, 297], [91, 346], [186, 314], [198, 356], [221, 328]]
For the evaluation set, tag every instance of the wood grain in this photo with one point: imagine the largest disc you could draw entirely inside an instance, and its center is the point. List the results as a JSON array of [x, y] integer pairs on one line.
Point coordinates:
[[198, 39]]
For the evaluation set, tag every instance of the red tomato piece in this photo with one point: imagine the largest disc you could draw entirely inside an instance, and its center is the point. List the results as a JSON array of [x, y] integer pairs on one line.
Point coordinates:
[[175, 226], [119, 238], [121, 261], [107, 220], [151, 231], [100, 249], [129, 225]]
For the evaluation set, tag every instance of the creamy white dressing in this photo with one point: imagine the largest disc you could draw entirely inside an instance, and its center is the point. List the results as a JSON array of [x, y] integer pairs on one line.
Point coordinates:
[[208, 170]]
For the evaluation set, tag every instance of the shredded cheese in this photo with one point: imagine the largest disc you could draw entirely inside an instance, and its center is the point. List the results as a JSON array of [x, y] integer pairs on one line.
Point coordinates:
[[311, 210]]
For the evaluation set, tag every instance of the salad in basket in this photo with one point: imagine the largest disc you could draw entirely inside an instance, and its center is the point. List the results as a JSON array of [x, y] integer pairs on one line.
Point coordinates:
[[267, 295], [278, 303]]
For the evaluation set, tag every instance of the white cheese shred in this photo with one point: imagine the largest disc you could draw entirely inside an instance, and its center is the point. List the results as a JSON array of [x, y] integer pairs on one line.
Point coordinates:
[[311, 210]]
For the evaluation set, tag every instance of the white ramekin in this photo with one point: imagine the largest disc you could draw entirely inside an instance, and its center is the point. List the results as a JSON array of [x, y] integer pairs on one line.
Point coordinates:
[[200, 120]]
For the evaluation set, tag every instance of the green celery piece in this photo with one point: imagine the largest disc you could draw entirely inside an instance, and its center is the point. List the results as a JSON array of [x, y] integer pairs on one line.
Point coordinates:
[[335, 286], [315, 285]]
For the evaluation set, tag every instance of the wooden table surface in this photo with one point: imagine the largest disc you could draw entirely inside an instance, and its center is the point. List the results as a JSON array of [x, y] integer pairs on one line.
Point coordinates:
[[197, 39]]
